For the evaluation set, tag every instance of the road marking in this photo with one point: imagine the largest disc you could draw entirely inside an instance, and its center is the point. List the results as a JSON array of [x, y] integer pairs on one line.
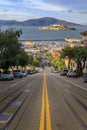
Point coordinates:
[[48, 119], [13, 85], [42, 112], [45, 104]]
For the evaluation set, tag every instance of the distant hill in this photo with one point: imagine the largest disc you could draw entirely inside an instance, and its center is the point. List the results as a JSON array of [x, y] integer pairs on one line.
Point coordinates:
[[9, 22], [37, 22]]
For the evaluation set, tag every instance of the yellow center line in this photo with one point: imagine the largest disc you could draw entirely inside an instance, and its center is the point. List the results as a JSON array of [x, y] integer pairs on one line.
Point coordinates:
[[42, 112], [45, 98], [48, 119]]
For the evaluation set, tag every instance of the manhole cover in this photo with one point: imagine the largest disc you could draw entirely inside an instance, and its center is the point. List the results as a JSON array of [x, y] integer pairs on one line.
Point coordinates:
[[26, 90], [16, 103], [5, 117]]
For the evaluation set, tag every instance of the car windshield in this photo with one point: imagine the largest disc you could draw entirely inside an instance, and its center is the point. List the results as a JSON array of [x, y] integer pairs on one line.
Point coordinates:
[[6, 72]]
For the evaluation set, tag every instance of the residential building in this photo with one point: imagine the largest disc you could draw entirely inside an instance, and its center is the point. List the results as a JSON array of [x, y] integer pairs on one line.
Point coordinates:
[[84, 37]]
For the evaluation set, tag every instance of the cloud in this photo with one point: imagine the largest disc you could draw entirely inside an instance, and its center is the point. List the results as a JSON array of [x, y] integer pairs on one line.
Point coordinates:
[[11, 2], [41, 5], [5, 2], [68, 11], [6, 10], [26, 9], [19, 17], [30, 4], [83, 11]]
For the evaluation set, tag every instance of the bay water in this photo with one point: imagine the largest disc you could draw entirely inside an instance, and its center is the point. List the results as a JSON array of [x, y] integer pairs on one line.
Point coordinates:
[[33, 33]]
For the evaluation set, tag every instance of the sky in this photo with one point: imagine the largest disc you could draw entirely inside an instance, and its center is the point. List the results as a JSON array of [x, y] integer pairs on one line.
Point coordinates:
[[22, 10]]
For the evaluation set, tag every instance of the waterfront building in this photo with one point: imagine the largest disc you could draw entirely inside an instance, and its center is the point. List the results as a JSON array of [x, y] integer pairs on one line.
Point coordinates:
[[84, 37]]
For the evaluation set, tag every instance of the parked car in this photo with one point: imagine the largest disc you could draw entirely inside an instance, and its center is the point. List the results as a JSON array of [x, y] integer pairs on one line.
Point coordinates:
[[55, 71], [85, 77], [64, 72], [29, 71], [17, 73], [0, 74], [7, 75], [72, 73], [24, 73]]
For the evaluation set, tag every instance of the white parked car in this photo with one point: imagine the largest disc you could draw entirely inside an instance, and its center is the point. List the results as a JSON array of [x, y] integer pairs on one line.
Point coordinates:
[[85, 77], [7, 75], [24, 73], [55, 71]]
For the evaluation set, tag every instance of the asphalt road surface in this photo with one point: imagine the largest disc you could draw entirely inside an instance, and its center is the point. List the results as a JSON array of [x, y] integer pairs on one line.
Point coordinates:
[[43, 101]]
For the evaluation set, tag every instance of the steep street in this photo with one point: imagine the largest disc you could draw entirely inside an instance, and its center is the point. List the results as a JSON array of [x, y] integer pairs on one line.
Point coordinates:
[[43, 101]]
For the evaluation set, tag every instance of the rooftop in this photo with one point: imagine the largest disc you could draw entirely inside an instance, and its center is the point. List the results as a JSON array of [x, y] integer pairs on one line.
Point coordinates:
[[84, 33]]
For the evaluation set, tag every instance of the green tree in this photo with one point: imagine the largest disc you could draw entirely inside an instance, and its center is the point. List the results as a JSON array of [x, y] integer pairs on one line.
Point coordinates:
[[22, 59], [31, 59], [69, 54], [9, 48], [80, 58], [36, 62], [56, 63], [78, 54]]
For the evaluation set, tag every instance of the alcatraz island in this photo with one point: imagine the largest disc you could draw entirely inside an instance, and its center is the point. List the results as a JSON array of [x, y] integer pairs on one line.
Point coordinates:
[[56, 27]]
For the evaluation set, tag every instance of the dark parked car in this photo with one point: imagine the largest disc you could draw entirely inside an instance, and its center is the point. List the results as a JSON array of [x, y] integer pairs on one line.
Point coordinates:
[[64, 72], [30, 72], [85, 77], [0, 74], [17, 73], [72, 73]]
